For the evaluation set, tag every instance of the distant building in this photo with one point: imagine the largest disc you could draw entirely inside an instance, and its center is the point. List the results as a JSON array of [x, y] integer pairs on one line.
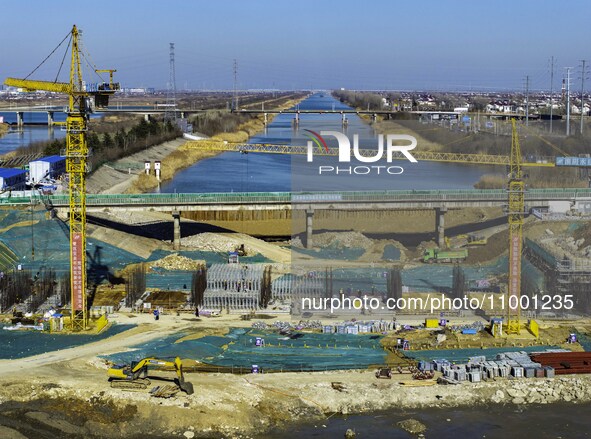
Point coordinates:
[[52, 166], [13, 179]]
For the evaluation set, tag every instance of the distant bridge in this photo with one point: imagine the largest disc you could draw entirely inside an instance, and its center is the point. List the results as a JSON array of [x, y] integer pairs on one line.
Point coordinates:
[[155, 110]]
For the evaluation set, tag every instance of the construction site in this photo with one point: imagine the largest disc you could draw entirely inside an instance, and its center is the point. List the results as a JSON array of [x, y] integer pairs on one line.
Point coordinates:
[[237, 312]]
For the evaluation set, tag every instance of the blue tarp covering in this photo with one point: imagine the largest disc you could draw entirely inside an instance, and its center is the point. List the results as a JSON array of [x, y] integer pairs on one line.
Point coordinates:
[[238, 349]]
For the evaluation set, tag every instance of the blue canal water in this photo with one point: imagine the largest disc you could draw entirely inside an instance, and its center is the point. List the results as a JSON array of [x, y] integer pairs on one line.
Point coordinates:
[[235, 172], [30, 134], [14, 138], [20, 344]]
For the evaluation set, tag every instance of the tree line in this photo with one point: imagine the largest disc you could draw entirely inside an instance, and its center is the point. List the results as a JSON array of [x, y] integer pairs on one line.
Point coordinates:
[[108, 147]]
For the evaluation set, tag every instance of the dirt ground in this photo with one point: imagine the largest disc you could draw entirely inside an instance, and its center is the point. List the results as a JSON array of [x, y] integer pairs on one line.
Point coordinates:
[[67, 395]]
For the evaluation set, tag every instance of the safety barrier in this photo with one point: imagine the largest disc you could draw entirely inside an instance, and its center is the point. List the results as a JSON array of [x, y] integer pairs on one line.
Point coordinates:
[[304, 197]]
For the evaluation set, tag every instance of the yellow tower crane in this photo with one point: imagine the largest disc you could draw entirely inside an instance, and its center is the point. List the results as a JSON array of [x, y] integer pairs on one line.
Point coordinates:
[[516, 208], [79, 109]]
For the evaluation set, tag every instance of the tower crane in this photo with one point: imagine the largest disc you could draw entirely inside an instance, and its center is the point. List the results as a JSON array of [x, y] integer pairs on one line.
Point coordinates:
[[516, 210], [80, 104]]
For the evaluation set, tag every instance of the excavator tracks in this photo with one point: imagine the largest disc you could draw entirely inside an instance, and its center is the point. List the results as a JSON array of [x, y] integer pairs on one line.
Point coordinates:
[[139, 384]]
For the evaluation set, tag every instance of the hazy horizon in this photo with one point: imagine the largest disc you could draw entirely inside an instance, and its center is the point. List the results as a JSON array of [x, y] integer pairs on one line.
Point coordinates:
[[431, 46]]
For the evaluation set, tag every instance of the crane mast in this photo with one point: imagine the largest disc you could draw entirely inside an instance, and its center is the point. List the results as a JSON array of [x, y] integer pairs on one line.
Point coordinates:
[[79, 109], [516, 208], [76, 156]]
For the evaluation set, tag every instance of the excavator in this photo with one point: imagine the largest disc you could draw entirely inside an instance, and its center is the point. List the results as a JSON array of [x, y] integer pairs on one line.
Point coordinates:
[[468, 240], [135, 376]]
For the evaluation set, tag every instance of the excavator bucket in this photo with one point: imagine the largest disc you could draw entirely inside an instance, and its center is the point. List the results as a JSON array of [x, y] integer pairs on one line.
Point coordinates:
[[186, 387]]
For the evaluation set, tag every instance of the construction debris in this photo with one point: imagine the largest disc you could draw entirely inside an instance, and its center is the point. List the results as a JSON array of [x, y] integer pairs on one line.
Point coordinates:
[[219, 243], [167, 391], [177, 262], [338, 240], [337, 385]]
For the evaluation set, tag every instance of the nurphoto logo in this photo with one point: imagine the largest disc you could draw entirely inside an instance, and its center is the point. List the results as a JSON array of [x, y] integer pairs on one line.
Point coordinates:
[[393, 151]]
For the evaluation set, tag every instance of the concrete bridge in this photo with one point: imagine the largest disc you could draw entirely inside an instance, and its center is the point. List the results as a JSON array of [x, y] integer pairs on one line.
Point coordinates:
[[51, 110], [156, 110], [439, 200]]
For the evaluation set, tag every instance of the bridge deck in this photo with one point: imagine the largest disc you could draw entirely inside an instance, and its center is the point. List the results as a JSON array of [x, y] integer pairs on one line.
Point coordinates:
[[286, 199]]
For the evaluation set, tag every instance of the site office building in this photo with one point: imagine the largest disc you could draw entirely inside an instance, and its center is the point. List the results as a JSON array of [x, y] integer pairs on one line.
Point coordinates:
[[51, 166], [13, 179]]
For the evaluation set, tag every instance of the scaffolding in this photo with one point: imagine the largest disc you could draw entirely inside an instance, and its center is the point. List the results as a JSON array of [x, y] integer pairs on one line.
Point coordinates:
[[235, 286], [564, 275]]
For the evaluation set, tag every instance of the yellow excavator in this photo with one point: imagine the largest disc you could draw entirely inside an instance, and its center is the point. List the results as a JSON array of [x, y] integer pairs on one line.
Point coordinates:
[[468, 240], [135, 376]]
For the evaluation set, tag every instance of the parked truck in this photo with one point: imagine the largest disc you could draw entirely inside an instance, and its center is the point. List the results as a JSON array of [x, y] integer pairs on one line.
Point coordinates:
[[437, 255]]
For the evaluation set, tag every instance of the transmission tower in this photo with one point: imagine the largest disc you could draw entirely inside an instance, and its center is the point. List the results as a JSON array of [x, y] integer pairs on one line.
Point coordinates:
[[170, 113], [568, 100], [551, 91], [235, 95], [527, 100], [584, 72]]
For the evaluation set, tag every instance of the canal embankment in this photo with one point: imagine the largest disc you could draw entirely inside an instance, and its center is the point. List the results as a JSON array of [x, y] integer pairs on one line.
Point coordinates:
[[127, 174]]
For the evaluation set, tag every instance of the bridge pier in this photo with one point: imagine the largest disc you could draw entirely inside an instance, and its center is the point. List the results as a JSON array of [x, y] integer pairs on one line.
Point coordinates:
[[19, 119], [440, 225], [344, 120], [265, 119], [309, 228], [147, 117], [296, 119], [374, 117], [176, 242], [50, 118]]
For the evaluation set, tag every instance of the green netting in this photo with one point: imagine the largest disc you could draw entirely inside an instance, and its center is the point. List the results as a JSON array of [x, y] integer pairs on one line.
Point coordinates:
[[46, 245], [391, 253], [20, 344], [332, 253], [305, 351], [584, 340], [159, 279], [424, 278]]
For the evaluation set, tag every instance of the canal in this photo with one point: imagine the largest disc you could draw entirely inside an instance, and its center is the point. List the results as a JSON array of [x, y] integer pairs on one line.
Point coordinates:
[[253, 172]]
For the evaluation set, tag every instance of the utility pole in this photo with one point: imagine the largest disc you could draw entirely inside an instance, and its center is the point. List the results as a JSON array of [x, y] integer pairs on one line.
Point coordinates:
[[235, 97], [551, 91], [170, 112], [583, 73], [568, 101], [527, 100]]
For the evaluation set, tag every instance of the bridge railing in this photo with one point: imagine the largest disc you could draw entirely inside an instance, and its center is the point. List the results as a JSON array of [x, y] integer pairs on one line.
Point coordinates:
[[303, 197]]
